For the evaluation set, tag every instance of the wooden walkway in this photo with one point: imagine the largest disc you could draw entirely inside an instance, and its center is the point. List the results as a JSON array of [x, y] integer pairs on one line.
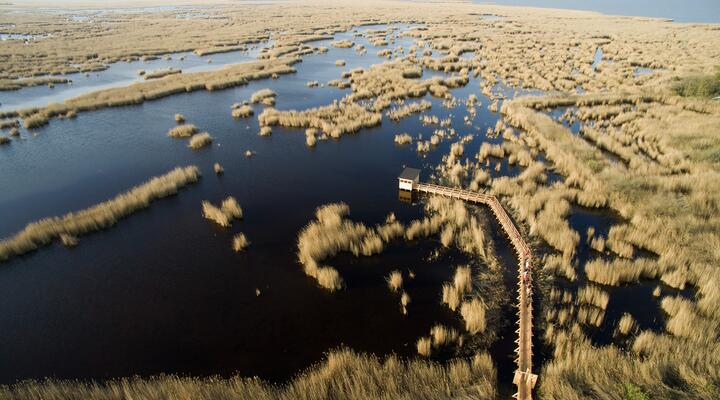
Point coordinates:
[[524, 379]]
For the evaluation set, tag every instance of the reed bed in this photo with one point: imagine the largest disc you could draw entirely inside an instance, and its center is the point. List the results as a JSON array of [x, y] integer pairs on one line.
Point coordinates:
[[4, 140], [344, 374], [240, 242], [401, 112], [224, 215], [183, 131], [242, 111], [621, 271], [161, 73], [332, 233], [335, 120], [342, 44], [179, 118], [443, 336], [626, 324], [261, 95], [403, 138], [9, 123], [98, 217], [219, 170], [200, 140], [138, 93], [394, 280], [473, 312]]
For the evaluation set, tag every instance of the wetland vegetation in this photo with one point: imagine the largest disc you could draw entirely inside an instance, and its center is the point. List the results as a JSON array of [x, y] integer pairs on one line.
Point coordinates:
[[610, 175]]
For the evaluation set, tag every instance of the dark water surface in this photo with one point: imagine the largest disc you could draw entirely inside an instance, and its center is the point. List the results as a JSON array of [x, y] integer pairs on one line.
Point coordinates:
[[162, 291]]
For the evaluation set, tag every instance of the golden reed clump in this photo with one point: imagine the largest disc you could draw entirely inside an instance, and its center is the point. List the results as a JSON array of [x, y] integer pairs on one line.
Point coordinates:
[[98, 217]]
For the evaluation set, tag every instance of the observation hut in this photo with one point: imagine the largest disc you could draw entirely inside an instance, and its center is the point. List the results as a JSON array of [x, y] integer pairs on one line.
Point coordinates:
[[408, 179]]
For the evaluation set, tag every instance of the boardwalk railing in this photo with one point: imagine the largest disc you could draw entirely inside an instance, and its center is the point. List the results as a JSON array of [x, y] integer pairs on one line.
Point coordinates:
[[524, 379]]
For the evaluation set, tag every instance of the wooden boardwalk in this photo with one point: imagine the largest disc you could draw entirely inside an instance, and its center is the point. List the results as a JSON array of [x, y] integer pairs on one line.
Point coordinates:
[[524, 379]]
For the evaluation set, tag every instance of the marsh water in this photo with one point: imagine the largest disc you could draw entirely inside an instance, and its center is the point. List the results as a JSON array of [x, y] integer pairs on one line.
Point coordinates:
[[162, 291], [688, 11]]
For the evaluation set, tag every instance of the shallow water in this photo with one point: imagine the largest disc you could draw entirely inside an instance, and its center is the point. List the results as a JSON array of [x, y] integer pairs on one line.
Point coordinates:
[[680, 11], [162, 292], [121, 74]]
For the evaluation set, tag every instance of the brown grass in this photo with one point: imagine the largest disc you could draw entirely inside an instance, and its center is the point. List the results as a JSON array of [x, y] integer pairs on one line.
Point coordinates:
[[403, 138], [626, 324], [200, 140], [223, 215], [331, 233], [345, 374], [219, 170], [395, 280], [261, 95], [183, 131], [240, 242], [621, 271], [137, 93], [98, 217], [242, 111], [179, 118], [424, 346], [335, 120], [161, 73], [473, 312], [442, 335]]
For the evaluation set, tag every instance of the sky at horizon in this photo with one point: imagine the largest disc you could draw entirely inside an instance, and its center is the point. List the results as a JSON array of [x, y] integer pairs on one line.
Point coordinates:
[[678, 10]]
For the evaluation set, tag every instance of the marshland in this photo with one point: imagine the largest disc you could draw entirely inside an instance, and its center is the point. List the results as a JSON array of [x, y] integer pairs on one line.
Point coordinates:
[[232, 227]]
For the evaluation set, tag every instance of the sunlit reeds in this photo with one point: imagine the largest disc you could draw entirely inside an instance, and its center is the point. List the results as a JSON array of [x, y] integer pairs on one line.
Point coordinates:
[[98, 217]]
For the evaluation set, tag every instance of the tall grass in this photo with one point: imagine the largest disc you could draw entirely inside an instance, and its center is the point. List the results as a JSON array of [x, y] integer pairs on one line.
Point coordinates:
[[424, 346], [229, 209], [473, 312], [699, 86], [240, 242], [442, 335], [261, 95], [138, 93], [219, 170], [626, 324], [620, 271], [395, 280], [399, 113], [161, 73], [200, 140], [335, 120], [183, 131], [331, 233], [242, 111], [345, 374], [451, 296], [98, 217], [403, 138]]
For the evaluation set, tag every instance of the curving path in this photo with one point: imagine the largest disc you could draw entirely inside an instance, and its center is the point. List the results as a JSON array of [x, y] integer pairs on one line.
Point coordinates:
[[524, 379]]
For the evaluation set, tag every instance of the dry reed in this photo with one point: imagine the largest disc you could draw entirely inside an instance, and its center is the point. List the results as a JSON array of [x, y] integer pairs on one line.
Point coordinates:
[[98, 217], [200, 140], [240, 242], [395, 280], [183, 131]]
